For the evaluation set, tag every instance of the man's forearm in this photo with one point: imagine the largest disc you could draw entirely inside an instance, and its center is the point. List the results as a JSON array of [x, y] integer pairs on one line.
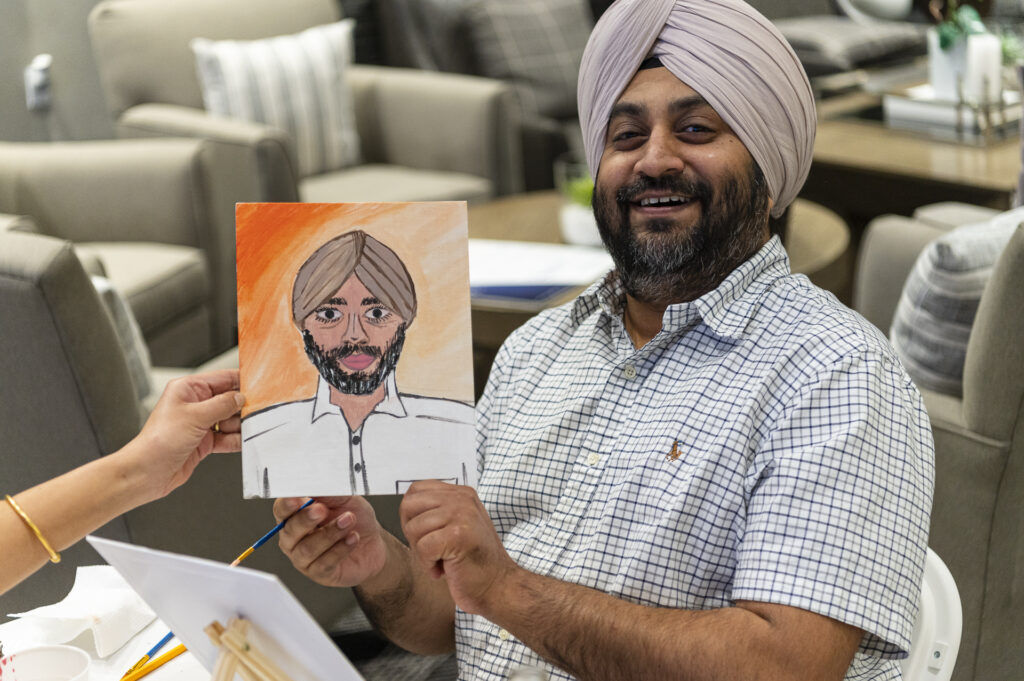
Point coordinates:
[[596, 637], [414, 610]]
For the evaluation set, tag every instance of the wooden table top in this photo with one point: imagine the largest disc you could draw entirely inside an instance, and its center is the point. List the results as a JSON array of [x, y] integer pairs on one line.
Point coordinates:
[[846, 141]]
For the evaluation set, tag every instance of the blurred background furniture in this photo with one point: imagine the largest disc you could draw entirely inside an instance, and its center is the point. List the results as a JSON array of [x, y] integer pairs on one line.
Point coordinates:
[[157, 219], [536, 46], [816, 238], [422, 136], [71, 400], [936, 638], [977, 522]]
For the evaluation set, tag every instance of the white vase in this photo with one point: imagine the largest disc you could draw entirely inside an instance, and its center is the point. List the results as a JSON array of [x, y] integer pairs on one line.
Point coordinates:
[[945, 67], [976, 62], [578, 225]]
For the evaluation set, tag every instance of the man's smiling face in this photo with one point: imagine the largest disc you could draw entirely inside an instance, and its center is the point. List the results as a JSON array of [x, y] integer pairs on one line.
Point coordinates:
[[353, 339], [676, 188]]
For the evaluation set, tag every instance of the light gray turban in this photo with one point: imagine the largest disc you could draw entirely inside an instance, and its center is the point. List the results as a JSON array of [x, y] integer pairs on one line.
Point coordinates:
[[726, 51]]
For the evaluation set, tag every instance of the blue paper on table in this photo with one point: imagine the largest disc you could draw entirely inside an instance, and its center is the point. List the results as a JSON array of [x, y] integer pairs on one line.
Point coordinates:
[[537, 292]]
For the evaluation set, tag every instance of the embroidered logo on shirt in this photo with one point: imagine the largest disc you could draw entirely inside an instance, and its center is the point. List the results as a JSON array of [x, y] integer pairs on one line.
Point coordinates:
[[675, 453]]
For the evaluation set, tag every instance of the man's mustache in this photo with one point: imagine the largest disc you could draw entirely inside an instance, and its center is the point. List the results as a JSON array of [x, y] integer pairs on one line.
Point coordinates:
[[346, 349], [676, 184]]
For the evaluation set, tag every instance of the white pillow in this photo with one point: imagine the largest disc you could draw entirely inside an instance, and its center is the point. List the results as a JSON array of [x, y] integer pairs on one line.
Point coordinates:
[[933, 320], [129, 335], [294, 82]]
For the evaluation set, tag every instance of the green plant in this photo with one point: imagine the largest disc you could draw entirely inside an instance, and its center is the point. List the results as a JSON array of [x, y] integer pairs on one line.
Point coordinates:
[[956, 22], [580, 190]]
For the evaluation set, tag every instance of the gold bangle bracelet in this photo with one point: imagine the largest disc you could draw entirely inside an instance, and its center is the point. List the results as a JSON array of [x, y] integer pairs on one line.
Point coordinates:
[[54, 556]]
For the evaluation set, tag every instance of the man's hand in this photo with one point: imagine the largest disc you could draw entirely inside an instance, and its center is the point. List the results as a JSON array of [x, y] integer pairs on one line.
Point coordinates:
[[336, 541], [451, 535]]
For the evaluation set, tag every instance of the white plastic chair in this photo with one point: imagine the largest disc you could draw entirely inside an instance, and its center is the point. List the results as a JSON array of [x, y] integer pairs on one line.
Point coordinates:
[[936, 640]]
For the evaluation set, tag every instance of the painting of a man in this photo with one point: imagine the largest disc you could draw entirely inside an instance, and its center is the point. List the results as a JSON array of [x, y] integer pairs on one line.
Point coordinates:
[[352, 302]]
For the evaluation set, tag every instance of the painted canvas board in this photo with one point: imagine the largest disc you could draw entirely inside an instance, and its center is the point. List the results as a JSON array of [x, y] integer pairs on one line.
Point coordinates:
[[355, 347]]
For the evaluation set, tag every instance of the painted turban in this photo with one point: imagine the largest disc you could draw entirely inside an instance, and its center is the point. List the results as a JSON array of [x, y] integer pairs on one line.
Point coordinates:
[[726, 51]]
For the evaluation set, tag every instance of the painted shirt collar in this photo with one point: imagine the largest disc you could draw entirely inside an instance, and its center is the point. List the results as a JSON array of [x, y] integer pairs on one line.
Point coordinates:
[[391, 404]]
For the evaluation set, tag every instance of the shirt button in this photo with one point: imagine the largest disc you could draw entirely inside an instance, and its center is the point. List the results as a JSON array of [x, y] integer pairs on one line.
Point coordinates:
[[356, 440], [504, 635], [358, 468], [629, 371], [593, 458]]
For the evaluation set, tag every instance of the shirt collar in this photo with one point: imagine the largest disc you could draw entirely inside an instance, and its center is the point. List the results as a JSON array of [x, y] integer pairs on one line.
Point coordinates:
[[391, 404], [726, 310]]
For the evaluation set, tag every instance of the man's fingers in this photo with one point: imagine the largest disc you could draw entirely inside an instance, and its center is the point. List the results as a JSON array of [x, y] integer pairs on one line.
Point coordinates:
[[285, 506]]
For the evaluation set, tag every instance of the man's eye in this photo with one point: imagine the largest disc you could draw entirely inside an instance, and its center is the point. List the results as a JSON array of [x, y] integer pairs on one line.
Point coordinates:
[[378, 314], [328, 314]]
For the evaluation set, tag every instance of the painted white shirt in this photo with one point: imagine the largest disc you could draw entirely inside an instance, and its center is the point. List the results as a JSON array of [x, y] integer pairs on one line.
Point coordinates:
[[306, 448]]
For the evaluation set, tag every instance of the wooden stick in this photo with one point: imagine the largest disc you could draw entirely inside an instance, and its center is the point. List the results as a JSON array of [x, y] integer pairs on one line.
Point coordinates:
[[234, 638]]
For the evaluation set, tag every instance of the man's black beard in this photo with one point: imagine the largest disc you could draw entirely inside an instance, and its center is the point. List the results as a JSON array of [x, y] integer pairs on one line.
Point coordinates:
[[328, 363], [665, 267]]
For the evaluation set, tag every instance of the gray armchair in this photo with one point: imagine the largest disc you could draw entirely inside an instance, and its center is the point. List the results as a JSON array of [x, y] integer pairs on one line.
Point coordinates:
[[70, 400], [424, 136], [977, 521], [158, 215]]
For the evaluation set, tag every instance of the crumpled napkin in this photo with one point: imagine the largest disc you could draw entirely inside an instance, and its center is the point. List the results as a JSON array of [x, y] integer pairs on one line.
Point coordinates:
[[100, 602]]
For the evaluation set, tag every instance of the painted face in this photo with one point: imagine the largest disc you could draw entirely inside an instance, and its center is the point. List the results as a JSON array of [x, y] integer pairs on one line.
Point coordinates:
[[676, 188], [354, 339]]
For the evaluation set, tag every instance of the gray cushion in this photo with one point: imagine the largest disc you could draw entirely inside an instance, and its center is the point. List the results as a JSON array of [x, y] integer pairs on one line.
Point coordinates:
[[381, 182], [535, 44], [831, 43], [936, 311], [294, 82], [161, 282]]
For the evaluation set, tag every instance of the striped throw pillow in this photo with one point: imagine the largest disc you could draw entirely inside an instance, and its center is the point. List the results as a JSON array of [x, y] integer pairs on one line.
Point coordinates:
[[294, 82], [933, 319]]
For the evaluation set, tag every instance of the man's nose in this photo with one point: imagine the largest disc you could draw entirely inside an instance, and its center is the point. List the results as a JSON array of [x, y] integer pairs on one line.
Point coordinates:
[[354, 329], [662, 155]]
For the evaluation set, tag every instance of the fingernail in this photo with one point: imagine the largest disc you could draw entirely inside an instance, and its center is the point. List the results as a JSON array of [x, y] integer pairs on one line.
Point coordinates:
[[346, 520], [352, 539], [317, 513], [239, 399]]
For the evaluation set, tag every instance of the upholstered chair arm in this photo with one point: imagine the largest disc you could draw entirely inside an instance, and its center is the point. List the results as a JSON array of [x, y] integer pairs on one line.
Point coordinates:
[[438, 121], [888, 251], [268, 149]]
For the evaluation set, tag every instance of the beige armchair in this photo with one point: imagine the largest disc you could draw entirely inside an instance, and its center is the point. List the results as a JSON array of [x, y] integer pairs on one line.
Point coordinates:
[[424, 136], [69, 399], [158, 218], [977, 516]]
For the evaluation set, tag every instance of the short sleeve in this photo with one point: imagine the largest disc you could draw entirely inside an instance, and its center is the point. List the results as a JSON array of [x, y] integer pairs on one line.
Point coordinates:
[[839, 503]]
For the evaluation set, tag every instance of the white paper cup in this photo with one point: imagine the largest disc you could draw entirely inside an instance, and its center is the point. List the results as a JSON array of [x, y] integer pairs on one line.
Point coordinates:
[[46, 663]]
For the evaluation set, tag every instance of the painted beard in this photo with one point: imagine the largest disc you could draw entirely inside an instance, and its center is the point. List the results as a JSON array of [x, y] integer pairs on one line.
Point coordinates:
[[665, 267], [328, 363]]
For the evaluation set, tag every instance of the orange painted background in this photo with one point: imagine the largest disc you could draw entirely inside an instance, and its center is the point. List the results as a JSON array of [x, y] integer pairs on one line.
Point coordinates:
[[274, 239]]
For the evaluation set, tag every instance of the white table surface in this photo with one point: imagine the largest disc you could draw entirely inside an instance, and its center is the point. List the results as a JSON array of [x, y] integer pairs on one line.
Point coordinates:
[[18, 635]]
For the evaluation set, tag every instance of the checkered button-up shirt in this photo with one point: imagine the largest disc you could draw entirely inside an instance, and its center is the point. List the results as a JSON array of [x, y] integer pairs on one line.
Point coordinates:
[[766, 445]]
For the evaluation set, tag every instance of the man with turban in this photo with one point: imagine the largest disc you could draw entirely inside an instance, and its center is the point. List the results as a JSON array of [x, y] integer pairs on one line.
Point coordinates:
[[702, 468]]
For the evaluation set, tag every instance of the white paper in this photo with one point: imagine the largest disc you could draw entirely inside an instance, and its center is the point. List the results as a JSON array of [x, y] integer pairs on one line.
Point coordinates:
[[493, 262], [190, 593], [100, 604]]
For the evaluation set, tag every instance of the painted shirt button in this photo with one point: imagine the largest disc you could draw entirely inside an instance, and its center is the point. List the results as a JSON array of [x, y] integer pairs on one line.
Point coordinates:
[[504, 635], [629, 371], [358, 468], [356, 440], [593, 458]]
